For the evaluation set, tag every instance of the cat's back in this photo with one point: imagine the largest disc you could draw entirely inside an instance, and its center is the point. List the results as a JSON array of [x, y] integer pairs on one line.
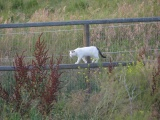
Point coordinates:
[[89, 48]]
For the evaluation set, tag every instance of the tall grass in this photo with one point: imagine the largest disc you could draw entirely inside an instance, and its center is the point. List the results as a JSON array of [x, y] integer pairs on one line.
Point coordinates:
[[120, 93], [124, 93], [24, 10]]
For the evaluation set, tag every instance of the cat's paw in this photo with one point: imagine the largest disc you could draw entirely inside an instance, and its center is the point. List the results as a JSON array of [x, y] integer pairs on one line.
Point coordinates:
[[76, 62]]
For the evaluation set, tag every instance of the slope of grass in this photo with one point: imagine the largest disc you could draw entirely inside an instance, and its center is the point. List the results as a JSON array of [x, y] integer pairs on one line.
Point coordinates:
[[59, 10]]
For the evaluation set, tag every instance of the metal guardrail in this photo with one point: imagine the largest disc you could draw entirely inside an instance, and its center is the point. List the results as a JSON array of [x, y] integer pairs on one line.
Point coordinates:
[[80, 22], [76, 66]]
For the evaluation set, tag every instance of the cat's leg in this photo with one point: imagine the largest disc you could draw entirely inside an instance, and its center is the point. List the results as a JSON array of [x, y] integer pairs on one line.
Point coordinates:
[[95, 60], [78, 60], [84, 59]]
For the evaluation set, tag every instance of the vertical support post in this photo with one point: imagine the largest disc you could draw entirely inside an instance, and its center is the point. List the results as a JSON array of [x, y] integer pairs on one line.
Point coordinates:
[[86, 42]]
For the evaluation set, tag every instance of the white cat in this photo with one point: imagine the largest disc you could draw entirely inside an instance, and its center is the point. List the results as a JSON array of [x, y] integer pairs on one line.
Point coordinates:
[[83, 52]]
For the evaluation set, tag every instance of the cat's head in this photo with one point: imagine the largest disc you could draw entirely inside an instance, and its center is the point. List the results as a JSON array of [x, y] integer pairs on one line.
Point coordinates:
[[72, 53]]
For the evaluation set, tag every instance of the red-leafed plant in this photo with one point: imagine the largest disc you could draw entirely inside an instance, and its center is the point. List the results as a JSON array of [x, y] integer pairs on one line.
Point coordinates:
[[21, 78], [49, 96], [156, 77], [110, 67], [34, 81], [156, 90]]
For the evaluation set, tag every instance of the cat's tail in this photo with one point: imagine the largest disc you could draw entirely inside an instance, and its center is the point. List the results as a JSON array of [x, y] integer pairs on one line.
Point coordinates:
[[101, 53]]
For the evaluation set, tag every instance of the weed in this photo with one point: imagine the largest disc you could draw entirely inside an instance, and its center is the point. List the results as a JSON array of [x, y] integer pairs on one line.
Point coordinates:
[[110, 67], [33, 83], [155, 77]]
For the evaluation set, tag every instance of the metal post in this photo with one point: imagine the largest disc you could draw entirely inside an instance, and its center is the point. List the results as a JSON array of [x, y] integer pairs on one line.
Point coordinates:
[[86, 41]]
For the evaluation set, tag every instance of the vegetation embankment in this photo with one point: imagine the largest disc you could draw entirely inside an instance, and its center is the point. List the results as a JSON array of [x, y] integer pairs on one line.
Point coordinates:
[[36, 11]]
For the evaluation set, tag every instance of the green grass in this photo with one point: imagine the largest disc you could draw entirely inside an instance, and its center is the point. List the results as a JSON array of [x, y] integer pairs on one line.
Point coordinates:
[[59, 10]]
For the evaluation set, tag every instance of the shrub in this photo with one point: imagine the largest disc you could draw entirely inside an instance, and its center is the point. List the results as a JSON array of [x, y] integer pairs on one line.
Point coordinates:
[[34, 85]]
